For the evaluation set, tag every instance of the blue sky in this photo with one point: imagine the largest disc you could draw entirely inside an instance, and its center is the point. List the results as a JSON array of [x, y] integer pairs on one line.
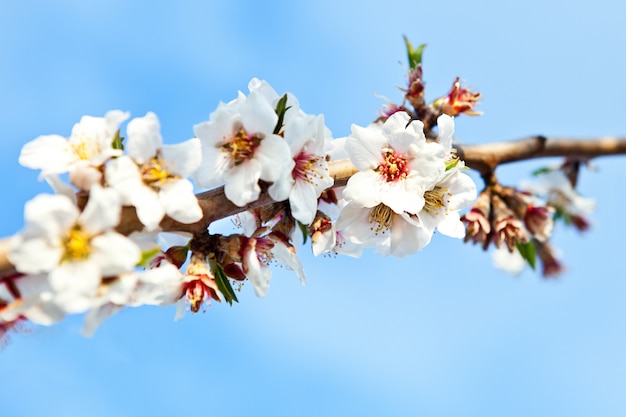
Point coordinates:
[[438, 334]]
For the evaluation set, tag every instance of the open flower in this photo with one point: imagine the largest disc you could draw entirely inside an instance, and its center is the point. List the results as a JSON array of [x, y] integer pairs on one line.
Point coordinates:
[[89, 146], [455, 191], [153, 178], [395, 164], [76, 249], [398, 234], [239, 148], [306, 137], [560, 194]]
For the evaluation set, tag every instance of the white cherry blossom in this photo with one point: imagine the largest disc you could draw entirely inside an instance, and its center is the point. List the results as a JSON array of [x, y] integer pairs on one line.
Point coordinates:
[[153, 177], [75, 249], [395, 163], [89, 146], [239, 148]]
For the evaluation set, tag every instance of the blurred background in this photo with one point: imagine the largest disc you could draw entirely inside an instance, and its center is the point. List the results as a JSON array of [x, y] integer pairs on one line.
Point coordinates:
[[441, 333]]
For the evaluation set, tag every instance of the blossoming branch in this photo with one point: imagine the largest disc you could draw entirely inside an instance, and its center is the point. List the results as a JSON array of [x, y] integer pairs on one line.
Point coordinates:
[[127, 224]]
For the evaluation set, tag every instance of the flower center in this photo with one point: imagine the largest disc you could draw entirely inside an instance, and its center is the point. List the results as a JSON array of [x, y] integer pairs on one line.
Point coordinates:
[[241, 146], [380, 218], [308, 168], [77, 245], [435, 199], [85, 149], [197, 292], [393, 167], [156, 172]]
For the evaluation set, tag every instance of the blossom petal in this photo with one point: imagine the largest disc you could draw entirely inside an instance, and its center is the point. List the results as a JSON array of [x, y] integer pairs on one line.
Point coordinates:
[[242, 183], [179, 201], [103, 210], [114, 253], [183, 158], [144, 137], [50, 153]]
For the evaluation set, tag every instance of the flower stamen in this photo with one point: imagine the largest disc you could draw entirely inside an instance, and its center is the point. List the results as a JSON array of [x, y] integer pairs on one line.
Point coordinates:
[[85, 149], [308, 168], [77, 245], [381, 217], [241, 146], [435, 199], [156, 172], [394, 166]]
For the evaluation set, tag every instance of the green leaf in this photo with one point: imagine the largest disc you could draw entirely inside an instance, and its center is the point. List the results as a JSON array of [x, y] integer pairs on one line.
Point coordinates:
[[147, 255], [305, 231], [118, 141], [540, 171], [414, 54], [527, 250], [452, 163], [223, 283], [281, 109]]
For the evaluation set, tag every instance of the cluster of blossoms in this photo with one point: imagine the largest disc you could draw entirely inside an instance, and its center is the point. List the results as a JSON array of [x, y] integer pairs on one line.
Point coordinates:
[[70, 257], [520, 221], [406, 187], [73, 256], [76, 253]]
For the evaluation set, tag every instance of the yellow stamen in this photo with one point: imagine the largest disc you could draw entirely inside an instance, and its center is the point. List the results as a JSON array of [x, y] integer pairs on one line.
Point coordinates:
[[381, 217], [436, 199], [241, 146], [77, 245], [85, 149], [156, 172]]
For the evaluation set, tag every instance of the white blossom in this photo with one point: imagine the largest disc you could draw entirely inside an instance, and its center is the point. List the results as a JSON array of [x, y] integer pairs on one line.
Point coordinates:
[[395, 164], [89, 146], [153, 178], [239, 148], [75, 249]]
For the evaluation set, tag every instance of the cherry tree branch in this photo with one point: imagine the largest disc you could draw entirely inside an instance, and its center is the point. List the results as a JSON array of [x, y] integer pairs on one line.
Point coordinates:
[[483, 158]]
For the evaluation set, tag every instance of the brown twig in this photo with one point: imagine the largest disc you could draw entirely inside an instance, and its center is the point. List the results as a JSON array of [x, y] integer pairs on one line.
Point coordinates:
[[482, 158]]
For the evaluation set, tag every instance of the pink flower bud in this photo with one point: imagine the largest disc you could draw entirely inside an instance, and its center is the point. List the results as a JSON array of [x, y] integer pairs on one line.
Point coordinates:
[[539, 221], [460, 100]]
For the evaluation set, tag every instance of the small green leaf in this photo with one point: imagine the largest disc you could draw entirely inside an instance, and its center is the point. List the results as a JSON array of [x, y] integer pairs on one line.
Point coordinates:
[[147, 255], [527, 250], [118, 141], [452, 163], [540, 171], [281, 109], [414, 54], [305, 231], [223, 283]]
